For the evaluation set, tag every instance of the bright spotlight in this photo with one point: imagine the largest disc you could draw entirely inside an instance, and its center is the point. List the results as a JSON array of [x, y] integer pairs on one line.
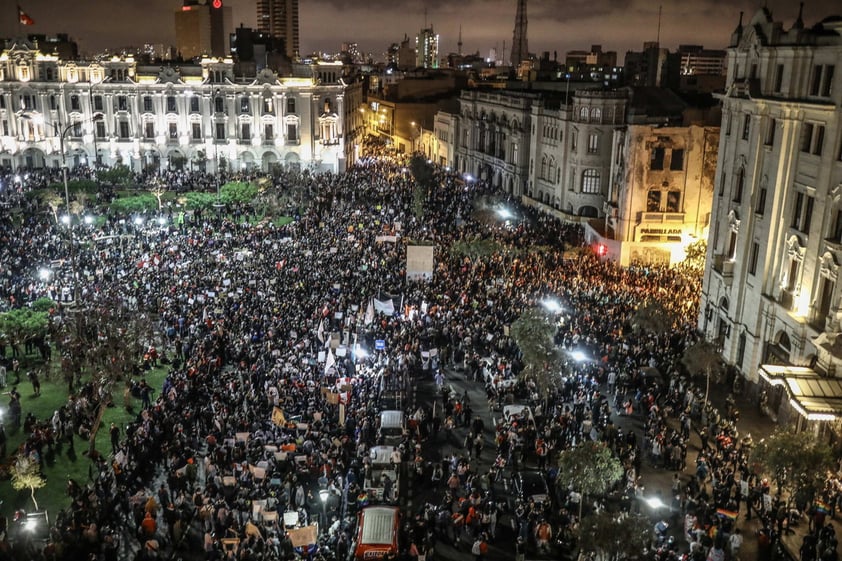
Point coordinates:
[[65, 219], [551, 305], [138, 220], [654, 502], [89, 219], [578, 356], [505, 213]]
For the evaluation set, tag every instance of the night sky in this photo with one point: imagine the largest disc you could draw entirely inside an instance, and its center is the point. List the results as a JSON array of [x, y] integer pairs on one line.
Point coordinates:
[[554, 25]]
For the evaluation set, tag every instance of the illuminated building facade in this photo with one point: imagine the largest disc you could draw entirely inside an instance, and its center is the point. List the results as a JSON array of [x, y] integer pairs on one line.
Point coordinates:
[[197, 116], [771, 291], [621, 162]]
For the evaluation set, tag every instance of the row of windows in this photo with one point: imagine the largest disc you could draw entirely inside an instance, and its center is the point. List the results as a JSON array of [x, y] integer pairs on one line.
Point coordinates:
[[28, 102], [820, 85]]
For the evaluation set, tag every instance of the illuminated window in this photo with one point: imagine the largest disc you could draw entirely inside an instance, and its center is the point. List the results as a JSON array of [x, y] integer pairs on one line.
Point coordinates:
[[593, 144], [590, 181]]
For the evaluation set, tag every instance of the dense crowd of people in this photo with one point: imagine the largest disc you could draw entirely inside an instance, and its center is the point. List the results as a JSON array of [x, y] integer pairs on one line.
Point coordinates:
[[267, 402]]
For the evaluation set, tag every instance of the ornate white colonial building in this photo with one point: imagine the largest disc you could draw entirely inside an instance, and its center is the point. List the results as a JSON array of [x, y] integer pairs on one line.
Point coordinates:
[[771, 291], [199, 116]]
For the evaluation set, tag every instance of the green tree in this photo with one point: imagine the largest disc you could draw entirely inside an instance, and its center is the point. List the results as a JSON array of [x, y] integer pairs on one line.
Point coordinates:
[[654, 317], [197, 200], [424, 174], [477, 248], [26, 474], [696, 253], [533, 333], [238, 192], [134, 203], [117, 175], [589, 468], [22, 324], [702, 358], [43, 304], [798, 461], [615, 536]]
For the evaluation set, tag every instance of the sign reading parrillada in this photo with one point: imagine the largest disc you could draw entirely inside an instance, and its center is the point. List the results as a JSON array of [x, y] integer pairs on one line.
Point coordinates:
[[661, 231]]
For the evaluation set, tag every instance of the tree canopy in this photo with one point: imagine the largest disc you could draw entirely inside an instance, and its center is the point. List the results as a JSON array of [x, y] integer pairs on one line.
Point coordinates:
[[797, 461], [589, 468], [615, 536], [26, 474], [533, 333], [238, 192], [21, 324]]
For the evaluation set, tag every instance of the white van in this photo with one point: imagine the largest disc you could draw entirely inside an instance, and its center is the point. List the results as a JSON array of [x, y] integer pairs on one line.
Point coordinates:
[[384, 460], [392, 425]]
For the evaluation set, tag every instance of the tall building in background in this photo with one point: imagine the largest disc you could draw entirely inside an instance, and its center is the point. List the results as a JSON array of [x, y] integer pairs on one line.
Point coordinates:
[[279, 18], [202, 28], [520, 45], [427, 49]]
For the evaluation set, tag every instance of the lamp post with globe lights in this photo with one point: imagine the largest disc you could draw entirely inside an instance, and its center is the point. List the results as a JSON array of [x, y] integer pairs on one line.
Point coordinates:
[[61, 132]]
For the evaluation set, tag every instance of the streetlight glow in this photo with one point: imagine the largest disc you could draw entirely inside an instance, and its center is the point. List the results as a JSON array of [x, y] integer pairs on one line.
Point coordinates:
[[65, 219], [505, 213], [654, 502], [578, 356], [89, 219], [552, 305], [138, 220]]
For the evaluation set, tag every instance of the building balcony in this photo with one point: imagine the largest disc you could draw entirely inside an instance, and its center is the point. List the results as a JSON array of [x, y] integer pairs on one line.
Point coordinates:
[[724, 266], [662, 217]]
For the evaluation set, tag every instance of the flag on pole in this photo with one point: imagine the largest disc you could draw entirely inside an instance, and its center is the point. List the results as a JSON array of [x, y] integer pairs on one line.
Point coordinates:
[[329, 361], [369, 313], [320, 332], [24, 18]]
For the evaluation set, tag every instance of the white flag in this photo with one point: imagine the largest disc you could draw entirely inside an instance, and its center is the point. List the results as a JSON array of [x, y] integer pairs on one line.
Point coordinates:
[[369, 313], [330, 361], [385, 306], [320, 333]]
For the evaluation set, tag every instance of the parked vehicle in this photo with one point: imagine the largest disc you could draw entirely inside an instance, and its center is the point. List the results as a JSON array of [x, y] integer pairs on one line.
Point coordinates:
[[378, 529], [392, 425], [530, 485]]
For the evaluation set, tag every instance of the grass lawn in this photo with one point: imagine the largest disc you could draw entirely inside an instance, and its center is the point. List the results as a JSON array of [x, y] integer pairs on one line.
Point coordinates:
[[62, 465]]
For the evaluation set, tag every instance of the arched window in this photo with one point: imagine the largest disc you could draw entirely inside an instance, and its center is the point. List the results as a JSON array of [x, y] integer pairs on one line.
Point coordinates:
[[596, 115], [551, 169], [544, 167], [583, 114], [590, 181]]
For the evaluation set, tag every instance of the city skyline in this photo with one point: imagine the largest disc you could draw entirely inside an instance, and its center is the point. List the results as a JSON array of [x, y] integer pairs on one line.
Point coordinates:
[[618, 25]]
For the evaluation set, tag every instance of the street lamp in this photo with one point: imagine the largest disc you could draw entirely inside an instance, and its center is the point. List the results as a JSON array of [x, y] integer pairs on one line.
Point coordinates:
[[323, 495], [61, 133], [91, 101]]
